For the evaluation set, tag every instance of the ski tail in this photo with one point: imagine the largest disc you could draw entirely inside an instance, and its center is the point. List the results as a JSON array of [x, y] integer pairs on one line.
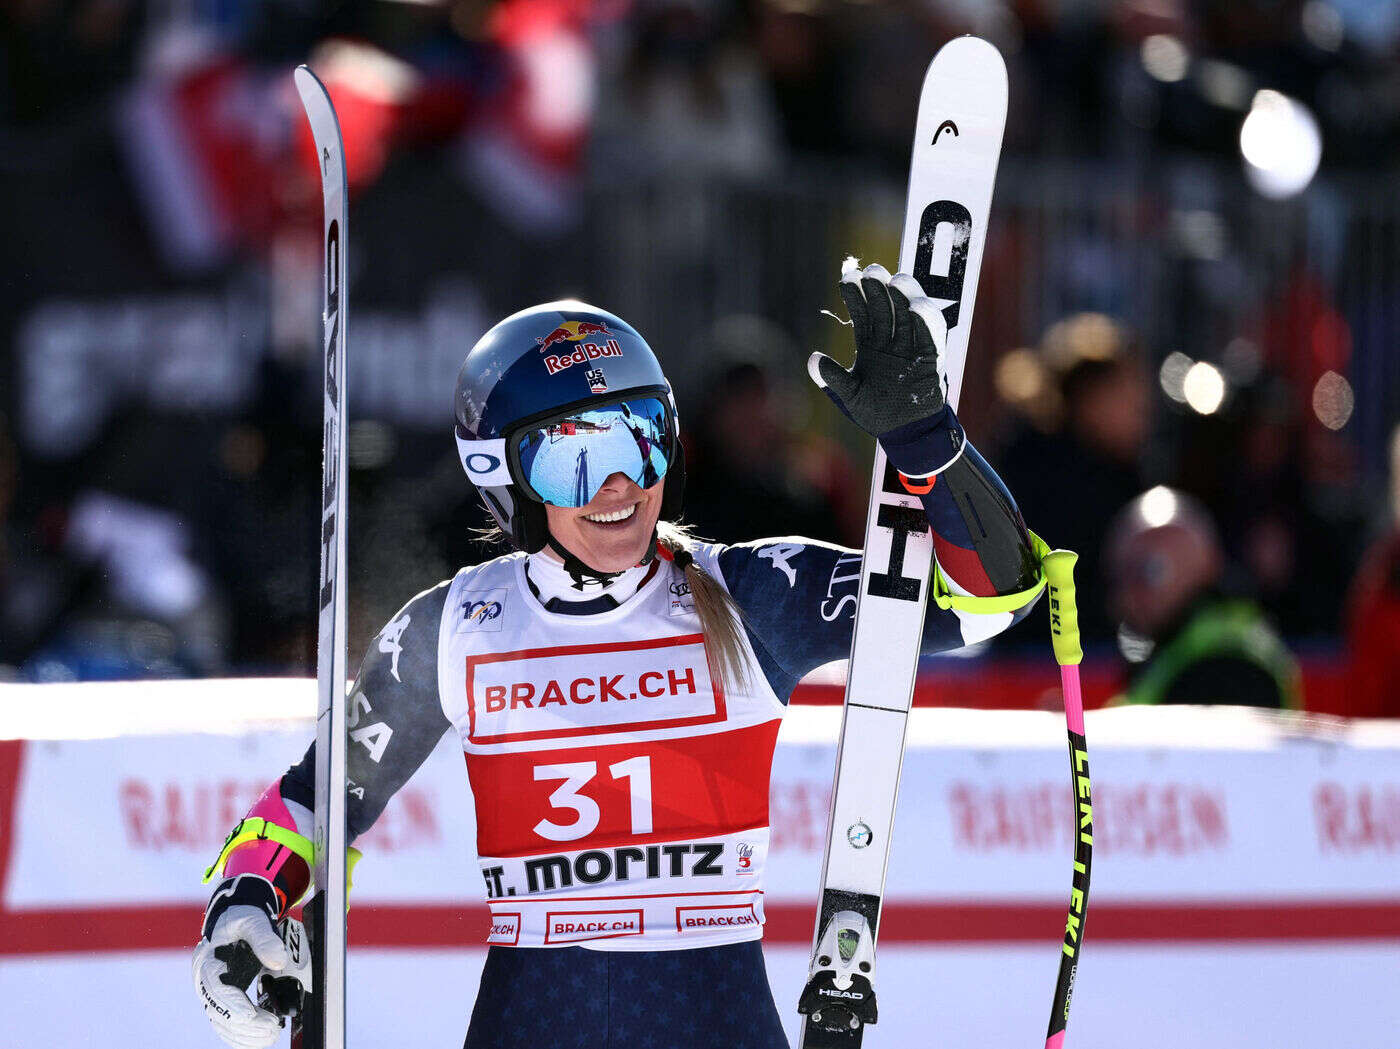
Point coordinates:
[[1064, 634], [323, 1021]]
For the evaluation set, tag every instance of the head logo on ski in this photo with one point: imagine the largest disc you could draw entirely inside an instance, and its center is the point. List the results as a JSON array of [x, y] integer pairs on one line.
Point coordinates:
[[947, 125]]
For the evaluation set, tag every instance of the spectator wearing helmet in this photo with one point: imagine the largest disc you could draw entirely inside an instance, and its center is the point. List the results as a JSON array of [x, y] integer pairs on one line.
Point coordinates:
[[1190, 641]]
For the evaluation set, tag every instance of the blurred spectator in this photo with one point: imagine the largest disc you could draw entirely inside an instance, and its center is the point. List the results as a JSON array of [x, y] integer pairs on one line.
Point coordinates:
[[689, 99], [800, 51], [159, 358], [1077, 457], [1189, 641], [33, 584], [748, 472], [59, 60], [147, 608], [1278, 483], [113, 574], [1373, 616]]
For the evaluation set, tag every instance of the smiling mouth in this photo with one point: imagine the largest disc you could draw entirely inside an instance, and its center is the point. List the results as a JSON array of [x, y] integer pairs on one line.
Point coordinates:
[[614, 516]]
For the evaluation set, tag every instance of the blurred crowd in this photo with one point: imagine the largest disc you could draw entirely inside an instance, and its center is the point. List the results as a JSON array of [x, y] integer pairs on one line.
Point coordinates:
[[1185, 377]]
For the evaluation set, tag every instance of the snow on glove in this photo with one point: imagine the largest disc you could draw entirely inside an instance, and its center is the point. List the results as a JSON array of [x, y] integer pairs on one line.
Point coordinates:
[[242, 918], [897, 387]]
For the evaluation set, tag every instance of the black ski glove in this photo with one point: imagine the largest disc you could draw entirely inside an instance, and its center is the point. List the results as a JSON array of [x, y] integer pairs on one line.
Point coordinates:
[[896, 388]]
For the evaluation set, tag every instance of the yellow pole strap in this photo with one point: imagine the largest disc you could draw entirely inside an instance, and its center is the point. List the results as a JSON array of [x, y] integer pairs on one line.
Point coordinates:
[[945, 599], [255, 828]]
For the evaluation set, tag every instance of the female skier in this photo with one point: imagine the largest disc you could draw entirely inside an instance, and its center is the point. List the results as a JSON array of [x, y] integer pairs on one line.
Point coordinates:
[[617, 686]]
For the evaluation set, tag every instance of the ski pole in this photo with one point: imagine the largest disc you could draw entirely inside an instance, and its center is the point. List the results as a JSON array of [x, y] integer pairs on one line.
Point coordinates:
[[1064, 635]]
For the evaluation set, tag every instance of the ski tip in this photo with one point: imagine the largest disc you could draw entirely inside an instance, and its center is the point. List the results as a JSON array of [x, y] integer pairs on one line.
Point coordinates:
[[972, 47], [309, 85], [971, 53], [325, 125]]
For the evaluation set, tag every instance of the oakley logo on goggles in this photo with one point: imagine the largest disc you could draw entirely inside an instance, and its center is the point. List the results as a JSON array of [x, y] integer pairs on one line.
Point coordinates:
[[566, 458]]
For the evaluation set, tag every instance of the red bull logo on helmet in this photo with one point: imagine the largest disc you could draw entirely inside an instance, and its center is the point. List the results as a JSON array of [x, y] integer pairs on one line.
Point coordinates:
[[571, 331], [583, 353], [576, 332]]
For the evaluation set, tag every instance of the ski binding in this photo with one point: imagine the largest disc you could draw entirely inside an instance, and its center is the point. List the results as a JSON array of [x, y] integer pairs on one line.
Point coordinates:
[[839, 999]]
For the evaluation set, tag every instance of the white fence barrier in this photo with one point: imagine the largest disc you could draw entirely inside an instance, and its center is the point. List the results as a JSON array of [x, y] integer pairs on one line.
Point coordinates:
[[1246, 877]]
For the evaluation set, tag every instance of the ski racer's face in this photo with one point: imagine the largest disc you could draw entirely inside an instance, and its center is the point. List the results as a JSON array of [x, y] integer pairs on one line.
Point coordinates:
[[611, 533]]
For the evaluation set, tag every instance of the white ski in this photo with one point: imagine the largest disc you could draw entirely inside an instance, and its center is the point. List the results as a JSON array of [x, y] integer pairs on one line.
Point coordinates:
[[323, 1019], [957, 143]]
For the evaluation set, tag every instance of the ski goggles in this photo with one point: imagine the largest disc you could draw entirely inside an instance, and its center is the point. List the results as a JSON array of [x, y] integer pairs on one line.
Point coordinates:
[[564, 459]]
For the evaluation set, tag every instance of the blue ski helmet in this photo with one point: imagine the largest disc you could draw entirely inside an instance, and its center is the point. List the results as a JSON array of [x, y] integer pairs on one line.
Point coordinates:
[[531, 368]]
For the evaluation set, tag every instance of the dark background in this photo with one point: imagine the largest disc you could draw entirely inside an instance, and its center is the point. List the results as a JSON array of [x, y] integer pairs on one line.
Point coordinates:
[[700, 169]]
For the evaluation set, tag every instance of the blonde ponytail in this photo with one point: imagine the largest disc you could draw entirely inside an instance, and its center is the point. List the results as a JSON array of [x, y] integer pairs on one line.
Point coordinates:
[[720, 619]]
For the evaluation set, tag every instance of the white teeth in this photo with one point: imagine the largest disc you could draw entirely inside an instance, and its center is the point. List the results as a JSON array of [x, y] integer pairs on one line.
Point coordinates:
[[616, 515]]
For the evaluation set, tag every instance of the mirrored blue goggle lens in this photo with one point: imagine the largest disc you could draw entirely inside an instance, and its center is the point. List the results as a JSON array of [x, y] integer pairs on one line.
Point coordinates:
[[566, 460]]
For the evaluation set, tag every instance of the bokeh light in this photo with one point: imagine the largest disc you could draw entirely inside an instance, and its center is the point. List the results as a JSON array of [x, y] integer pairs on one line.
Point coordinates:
[[1204, 388], [1158, 506], [1333, 400], [1323, 25], [1172, 375], [1165, 58], [1281, 145]]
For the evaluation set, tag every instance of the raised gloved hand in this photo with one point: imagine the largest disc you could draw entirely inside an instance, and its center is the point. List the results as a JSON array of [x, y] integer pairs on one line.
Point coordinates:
[[240, 945], [897, 387]]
